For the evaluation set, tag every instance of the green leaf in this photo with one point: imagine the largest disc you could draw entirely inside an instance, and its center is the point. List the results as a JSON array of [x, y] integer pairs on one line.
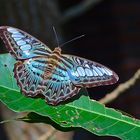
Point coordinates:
[[36, 118], [82, 112], [6, 71]]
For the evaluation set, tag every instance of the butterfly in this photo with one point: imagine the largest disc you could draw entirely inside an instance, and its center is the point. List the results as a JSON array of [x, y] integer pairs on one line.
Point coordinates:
[[39, 70]]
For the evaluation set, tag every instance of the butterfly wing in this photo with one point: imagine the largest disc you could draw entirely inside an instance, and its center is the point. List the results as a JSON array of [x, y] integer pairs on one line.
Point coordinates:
[[29, 75], [72, 73], [86, 73], [21, 44], [60, 87]]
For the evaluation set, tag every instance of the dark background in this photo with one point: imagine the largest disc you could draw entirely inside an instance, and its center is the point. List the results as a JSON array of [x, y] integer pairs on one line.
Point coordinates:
[[112, 37]]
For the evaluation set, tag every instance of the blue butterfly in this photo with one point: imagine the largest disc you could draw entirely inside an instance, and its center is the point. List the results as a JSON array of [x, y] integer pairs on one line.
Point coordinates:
[[39, 70]]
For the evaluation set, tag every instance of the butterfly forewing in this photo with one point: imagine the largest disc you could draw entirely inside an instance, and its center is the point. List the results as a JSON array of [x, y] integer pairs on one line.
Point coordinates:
[[86, 73], [21, 44]]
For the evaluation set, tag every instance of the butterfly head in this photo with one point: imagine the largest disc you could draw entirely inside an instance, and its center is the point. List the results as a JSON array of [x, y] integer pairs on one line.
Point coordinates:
[[57, 51]]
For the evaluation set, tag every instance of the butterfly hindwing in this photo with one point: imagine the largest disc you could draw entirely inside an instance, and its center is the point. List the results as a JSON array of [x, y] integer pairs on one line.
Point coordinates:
[[21, 44], [29, 75], [86, 73], [57, 87]]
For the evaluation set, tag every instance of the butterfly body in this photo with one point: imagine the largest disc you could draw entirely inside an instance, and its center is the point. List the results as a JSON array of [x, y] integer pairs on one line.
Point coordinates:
[[52, 62], [57, 76]]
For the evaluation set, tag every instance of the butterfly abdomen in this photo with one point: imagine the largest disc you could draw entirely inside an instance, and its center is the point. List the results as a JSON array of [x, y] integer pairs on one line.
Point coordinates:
[[52, 62]]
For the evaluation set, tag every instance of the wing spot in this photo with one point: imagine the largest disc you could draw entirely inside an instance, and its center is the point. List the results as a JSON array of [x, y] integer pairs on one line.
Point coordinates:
[[98, 71], [88, 72], [76, 74], [27, 53], [86, 65], [12, 30], [25, 47], [17, 35], [103, 70], [21, 42], [109, 72], [81, 71], [95, 73], [78, 61], [17, 38]]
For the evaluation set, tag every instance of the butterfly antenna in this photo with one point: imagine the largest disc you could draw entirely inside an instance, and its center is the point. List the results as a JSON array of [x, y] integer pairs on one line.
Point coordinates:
[[71, 40], [56, 36]]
